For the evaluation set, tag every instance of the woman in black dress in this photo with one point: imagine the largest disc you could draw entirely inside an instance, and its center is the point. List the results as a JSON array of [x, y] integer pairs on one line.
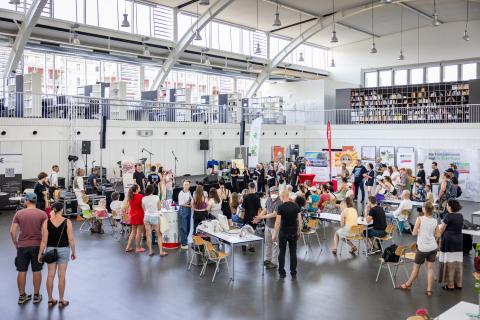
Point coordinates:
[[451, 247]]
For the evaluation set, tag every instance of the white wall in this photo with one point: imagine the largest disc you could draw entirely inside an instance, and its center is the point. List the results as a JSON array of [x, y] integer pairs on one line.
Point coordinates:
[[51, 144], [440, 43]]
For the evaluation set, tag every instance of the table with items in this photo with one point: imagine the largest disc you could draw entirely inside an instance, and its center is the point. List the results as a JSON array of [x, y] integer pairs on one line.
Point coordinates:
[[233, 240], [461, 311]]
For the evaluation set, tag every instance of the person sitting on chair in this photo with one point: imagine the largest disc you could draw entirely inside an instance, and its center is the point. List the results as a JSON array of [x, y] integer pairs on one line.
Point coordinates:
[[349, 219], [376, 216], [399, 213]]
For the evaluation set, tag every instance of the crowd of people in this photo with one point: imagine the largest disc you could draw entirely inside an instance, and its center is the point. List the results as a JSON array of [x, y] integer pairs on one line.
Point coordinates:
[[288, 204]]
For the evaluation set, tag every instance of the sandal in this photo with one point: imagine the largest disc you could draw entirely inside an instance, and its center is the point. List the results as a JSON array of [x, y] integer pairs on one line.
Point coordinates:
[[128, 250], [429, 293], [354, 250], [63, 304], [52, 303], [334, 251], [404, 286], [163, 254], [37, 298], [445, 287], [140, 250], [151, 254]]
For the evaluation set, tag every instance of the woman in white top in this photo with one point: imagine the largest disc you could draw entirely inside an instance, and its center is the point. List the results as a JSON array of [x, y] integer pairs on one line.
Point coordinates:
[[426, 231], [79, 189], [152, 206], [214, 203], [395, 176]]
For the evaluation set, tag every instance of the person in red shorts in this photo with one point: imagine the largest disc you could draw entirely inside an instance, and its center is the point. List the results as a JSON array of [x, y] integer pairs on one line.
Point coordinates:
[[136, 215]]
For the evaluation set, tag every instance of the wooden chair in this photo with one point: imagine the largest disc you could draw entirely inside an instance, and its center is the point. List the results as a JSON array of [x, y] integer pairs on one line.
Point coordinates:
[[215, 256], [388, 237], [356, 234], [312, 225], [198, 251], [400, 252]]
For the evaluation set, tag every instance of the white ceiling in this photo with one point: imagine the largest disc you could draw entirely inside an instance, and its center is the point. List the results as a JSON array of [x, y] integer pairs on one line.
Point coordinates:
[[386, 18]]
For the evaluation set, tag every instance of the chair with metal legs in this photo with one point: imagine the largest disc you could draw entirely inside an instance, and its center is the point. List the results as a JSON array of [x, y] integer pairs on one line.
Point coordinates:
[[312, 226], [198, 251], [400, 252], [215, 256]]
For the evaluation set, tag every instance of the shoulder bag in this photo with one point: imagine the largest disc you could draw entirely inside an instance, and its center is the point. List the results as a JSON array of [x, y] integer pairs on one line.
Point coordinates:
[[52, 255]]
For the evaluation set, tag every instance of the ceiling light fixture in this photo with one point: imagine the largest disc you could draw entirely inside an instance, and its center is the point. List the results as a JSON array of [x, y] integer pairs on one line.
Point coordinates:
[[435, 21], [197, 36], [332, 64], [300, 55], [373, 49], [401, 56], [466, 37], [258, 50], [300, 58], [125, 22], [277, 22], [334, 38], [75, 38], [204, 2]]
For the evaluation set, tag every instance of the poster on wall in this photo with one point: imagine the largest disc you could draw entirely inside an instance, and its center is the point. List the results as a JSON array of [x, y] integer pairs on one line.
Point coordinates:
[[278, 154], [10, 179], [387, 155], [369, 154], [317, 164], [467, 164], [254, 142], [406, 158], [347, 156]]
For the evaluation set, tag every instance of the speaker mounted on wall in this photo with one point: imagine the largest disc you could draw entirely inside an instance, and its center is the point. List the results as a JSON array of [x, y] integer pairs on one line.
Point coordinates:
[[86, 147], [204, 146]]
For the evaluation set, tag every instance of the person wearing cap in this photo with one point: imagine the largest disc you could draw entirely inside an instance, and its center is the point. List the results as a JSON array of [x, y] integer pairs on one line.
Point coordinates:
[[269, 214], [28, 223], [313, 199], [57, 234]]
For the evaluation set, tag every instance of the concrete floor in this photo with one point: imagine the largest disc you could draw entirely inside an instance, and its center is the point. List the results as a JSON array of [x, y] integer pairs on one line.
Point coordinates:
[[105, 283]]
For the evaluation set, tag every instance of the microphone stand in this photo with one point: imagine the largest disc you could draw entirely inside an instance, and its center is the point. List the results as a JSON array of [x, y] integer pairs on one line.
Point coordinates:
[[149, 153], [175, 169]]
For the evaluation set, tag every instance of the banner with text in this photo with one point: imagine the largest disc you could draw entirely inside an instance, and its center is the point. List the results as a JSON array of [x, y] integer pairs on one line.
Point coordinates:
[[254, 142], [467, 162], [317, 164], [10, 179], [406, 158]]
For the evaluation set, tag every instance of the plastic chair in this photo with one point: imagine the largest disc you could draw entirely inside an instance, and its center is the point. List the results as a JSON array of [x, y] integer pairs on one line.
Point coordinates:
[[312, 225], [198, 250], [215, 256], [400, 252], [388, 237]]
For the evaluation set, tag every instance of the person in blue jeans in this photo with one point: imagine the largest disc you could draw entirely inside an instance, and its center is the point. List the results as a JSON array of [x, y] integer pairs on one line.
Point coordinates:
[[185, 213]]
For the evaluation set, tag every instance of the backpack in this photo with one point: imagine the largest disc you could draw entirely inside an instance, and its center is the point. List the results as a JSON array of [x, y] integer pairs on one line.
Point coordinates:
[[389, 254], [459, 191]]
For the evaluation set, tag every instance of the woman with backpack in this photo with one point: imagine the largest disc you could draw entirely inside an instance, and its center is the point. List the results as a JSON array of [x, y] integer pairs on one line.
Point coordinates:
[[58, 245], [426, 229], [451, 247]]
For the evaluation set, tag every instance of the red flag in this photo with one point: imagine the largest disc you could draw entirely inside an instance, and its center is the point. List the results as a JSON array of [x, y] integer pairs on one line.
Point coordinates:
[[329, 140]]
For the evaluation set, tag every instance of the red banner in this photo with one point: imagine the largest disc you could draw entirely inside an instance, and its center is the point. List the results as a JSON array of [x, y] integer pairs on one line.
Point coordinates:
[[329, 140]]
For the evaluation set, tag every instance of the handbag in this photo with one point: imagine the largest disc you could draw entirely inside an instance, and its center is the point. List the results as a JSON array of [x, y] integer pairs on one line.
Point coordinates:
[[52, 255]]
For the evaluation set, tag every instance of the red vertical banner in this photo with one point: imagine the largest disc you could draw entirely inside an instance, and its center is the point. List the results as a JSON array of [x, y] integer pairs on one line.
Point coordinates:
[[329, 140]]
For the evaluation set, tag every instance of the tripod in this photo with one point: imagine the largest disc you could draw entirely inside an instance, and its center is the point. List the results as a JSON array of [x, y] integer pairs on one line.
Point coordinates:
[[175, 167], [150, 154]]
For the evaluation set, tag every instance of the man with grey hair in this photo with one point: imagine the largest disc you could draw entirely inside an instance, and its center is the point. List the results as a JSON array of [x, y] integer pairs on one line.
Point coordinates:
[[269, 214]]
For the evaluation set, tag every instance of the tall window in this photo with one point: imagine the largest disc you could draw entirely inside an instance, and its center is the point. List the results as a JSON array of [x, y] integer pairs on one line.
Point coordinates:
[[400, 77], [385, 78], [469, 71], [433, 74], [65, 10], [143, 19], [75, 74], [416, 76], [371, 79], [450, 73], [105, 16]]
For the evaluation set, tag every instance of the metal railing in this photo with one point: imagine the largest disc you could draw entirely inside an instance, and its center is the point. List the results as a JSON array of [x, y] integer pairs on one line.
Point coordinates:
[[469, 113], [50, 106]]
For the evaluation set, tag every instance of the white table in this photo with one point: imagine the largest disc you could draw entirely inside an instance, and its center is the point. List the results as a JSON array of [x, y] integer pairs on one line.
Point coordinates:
[[418, 204], [459, 311], [473, 233], [234, 240]]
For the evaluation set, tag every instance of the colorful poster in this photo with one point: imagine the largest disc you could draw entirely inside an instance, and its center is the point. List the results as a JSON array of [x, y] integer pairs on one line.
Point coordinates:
[[467, 163], [254, 142], [387, 154], [369, 154], [278, 154], [349, 157], [317, 164], [128, 169], [406, 158]]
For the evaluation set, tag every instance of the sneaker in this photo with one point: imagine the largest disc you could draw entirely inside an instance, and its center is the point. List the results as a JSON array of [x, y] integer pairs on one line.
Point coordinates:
[[252, 249], [271, 265], [24, 298], [184, 247], [283, 275], [37, 298], [266, 262], [294, 275]]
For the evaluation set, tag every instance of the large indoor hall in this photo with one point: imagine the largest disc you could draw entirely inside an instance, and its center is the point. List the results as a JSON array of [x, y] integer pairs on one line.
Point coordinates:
[[240, 159]]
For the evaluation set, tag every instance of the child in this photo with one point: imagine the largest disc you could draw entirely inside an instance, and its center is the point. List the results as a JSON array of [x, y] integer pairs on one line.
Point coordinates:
[[116, 206], [100, 210], [420, 193], [428, 193]]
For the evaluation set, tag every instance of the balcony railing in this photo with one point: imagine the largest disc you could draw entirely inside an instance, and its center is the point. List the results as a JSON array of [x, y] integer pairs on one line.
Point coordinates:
[[469, 113], [47, 106]]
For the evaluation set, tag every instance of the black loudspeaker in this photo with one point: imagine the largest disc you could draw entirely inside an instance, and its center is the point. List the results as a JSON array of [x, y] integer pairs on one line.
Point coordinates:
[[203, 145], [242, 133], [103, 133], [86, 147]]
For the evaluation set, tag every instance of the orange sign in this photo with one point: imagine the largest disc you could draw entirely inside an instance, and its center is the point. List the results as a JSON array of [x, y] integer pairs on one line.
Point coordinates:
[[278, 154]]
